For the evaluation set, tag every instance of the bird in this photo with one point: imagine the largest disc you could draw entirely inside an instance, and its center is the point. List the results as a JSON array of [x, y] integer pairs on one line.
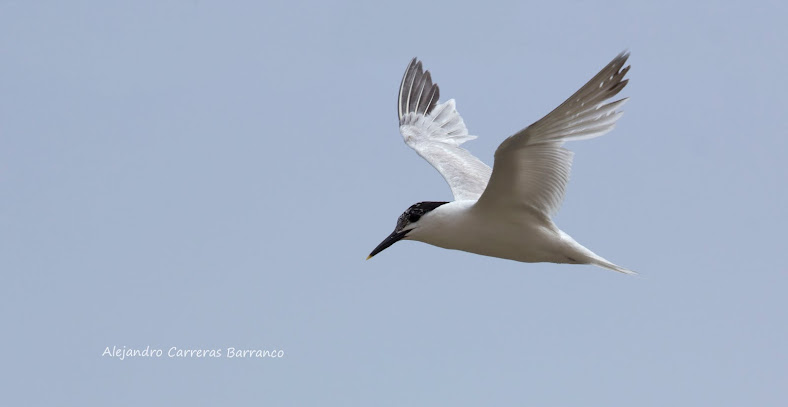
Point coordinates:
[[505, 211]]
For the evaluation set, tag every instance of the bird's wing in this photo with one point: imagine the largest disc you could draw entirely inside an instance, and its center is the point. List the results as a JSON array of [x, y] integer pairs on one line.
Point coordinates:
[[531, 167], [436, 131]]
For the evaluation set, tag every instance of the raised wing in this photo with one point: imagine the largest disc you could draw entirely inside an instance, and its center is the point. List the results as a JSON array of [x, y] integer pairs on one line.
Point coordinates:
[[436, 131], [531, 167]]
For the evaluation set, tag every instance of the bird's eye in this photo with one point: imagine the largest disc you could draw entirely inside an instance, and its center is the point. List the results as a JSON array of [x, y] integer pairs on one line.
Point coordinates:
[[413, 217]]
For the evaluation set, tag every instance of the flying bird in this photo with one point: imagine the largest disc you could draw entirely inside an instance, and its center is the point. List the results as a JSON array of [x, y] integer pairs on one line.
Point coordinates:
[[505, 211]]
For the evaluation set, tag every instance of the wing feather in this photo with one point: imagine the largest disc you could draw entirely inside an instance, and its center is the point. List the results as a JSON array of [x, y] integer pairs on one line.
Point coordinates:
[[436, 131], [531, 167]]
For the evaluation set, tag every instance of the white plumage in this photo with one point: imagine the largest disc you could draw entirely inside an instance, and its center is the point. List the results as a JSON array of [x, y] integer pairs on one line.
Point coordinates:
[[504, 212]]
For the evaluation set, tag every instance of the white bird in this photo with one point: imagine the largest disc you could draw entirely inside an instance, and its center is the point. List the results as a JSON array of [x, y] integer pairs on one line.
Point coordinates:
[[504, 211]]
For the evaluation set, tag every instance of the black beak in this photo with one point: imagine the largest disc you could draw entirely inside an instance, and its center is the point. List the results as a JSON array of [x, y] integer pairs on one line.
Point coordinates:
[[393, 238]]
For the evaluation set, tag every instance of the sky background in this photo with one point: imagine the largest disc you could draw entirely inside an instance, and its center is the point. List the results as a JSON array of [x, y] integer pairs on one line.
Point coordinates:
[[207, 174]]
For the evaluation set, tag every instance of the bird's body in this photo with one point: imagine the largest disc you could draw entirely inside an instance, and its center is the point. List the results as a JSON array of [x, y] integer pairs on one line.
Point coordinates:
[[505, 211], [462, 225], [528, 237]]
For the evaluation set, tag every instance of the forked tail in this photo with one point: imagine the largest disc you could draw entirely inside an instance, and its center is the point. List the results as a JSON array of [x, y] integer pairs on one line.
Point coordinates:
[[586, 256], [598, 261]]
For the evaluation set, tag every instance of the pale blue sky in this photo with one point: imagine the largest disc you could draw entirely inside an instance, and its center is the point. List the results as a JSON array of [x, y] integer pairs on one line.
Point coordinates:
[[213, 174]]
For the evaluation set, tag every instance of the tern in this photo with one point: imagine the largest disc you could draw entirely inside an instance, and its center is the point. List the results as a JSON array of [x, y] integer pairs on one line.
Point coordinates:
[[505, 211]]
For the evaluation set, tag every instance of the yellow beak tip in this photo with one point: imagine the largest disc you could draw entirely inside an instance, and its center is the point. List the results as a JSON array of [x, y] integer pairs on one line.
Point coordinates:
[[369, 257]]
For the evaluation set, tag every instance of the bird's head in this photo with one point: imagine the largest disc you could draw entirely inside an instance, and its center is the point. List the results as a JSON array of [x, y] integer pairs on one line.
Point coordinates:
[[409, 220]]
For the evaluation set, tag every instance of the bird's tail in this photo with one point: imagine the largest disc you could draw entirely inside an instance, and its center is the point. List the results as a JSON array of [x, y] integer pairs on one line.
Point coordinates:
[[598, 261], [583, 255]]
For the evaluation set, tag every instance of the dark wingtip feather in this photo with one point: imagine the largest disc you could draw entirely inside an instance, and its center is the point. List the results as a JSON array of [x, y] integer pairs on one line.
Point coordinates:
[[417, 93], [617, 87]]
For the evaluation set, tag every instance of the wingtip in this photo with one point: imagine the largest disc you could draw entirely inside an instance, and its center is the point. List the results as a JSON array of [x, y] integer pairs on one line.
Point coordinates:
[[412, 62], [417, 93], [620, 60]]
